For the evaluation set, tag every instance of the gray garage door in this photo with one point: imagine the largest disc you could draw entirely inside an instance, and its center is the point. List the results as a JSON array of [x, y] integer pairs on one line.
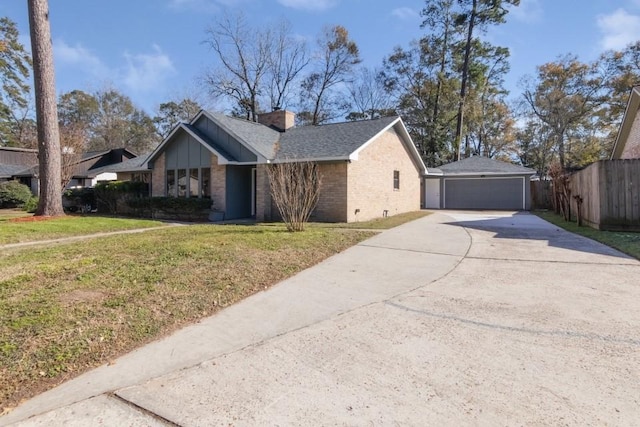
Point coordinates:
[[484, 193]]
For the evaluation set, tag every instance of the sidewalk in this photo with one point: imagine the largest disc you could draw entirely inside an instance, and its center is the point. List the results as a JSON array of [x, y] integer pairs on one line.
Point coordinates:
[[391, 263]]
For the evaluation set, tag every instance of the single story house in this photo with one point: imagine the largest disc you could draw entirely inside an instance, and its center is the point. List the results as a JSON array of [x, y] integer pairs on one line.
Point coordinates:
[[22, 164], [478, 183], [14, 161], [369, 168]]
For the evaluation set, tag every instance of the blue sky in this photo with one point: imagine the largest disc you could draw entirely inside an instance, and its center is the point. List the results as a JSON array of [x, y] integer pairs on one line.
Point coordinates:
[[152, 49]]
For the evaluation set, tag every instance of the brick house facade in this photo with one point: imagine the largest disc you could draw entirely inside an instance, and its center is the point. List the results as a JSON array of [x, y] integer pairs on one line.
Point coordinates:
[[369, 168]]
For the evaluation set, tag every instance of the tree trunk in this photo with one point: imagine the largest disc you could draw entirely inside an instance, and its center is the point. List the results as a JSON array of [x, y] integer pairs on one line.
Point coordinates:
[[465, 74], [46, 110]]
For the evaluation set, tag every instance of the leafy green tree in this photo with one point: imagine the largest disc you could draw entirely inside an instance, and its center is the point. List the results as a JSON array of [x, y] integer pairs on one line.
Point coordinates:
[[78, 108], [15, 68], [337, 54], [120, 124], [424, 97], [566, 95], [474, 16], [171, 113]]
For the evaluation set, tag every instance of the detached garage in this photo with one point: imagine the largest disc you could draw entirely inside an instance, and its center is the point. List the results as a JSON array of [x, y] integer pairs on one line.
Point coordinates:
[[478, 183]]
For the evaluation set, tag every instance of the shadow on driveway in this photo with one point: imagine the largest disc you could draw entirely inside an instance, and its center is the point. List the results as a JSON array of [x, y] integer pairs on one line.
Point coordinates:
[[526, 226]]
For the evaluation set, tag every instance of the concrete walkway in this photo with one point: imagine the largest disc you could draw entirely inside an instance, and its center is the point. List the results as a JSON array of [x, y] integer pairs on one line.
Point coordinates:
[[456, 318]]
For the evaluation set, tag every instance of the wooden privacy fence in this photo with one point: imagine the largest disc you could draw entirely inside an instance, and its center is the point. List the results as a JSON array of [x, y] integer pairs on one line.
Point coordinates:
[[610, 193], [541, 194]]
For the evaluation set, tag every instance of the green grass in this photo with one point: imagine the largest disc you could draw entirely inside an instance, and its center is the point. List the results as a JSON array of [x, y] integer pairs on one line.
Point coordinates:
[[67, 226], [624, 241], [67, 308], [376, 224], [8, 214]]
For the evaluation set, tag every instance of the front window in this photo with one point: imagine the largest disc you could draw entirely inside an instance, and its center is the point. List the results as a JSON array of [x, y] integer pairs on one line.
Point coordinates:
[[182, 183], [194, 182], [171, 183], [205, 189], [396, 180]]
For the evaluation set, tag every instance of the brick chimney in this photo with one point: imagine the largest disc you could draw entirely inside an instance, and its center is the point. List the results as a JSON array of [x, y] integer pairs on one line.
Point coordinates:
[[278, 119]]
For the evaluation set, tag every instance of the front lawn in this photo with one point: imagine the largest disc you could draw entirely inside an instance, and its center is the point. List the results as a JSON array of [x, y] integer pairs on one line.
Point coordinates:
[[624, 241], [68, 308], [14, 228]]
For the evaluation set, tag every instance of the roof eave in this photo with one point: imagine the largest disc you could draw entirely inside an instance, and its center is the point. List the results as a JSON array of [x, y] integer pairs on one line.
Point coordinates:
[[259, 155], [633, 106]]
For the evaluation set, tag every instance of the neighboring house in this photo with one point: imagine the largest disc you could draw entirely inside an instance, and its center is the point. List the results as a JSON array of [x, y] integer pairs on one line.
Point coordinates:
[[627, 145], [14, 161], [134, 169], [88, 171], [369, 168], [478, 183]]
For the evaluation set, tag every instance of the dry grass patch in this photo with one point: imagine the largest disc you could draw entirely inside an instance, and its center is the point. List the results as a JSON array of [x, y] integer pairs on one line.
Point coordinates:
[[67, 226], [68, 308]]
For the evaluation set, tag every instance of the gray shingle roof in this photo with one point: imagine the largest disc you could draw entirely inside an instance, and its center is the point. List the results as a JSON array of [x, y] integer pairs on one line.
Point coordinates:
[[7, 171], [259, 137], [137, 164], [483, 165], [336, 140]]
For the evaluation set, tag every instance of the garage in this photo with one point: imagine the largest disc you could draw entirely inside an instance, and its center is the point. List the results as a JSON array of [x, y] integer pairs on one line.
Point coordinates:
[[478, 183]]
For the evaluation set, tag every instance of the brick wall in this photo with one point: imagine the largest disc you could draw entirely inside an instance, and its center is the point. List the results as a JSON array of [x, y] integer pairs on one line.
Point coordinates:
[[218, 184], [332, 206], [263, 194], [370, 180], [158, 187], [632, 147]]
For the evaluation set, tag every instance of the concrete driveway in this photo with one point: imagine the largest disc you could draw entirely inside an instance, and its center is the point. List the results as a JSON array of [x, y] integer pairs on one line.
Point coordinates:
[[457, 318]]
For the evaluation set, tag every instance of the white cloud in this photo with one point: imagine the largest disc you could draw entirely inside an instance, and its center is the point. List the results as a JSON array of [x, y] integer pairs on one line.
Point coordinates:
[[312, 5], [528, 11], [619, 29], [198, 5], [405, 13], [206, 6], [138, 72], [147, 71], [79, 57]]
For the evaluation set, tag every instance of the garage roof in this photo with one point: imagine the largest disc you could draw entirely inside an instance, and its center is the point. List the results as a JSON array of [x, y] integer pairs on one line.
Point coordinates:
[[478, 165]]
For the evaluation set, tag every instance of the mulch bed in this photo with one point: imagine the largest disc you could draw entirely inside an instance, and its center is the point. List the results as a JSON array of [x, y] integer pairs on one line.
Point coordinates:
[[34, 218]]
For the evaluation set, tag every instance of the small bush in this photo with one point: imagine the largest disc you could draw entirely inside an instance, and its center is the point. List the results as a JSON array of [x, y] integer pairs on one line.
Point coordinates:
[[109, 193], [13, 194], [79, 199], [31, 205]]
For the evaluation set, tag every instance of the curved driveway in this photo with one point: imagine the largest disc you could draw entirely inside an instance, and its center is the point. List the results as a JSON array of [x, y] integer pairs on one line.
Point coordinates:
[[456, 318]]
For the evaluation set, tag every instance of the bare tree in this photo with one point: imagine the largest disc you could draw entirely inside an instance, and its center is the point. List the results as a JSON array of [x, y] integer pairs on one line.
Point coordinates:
[[244, 55], [338, 54], [295, 189], [369, 97], [72, 140], [50, 203], [287, 60]]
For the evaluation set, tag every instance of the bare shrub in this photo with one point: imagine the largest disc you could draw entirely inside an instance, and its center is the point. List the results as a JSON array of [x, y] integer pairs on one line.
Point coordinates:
[[295, 189], [561, 194], [72, 143]]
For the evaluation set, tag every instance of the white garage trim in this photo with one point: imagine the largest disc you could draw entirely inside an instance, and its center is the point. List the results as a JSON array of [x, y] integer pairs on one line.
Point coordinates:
[[444, 186]]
